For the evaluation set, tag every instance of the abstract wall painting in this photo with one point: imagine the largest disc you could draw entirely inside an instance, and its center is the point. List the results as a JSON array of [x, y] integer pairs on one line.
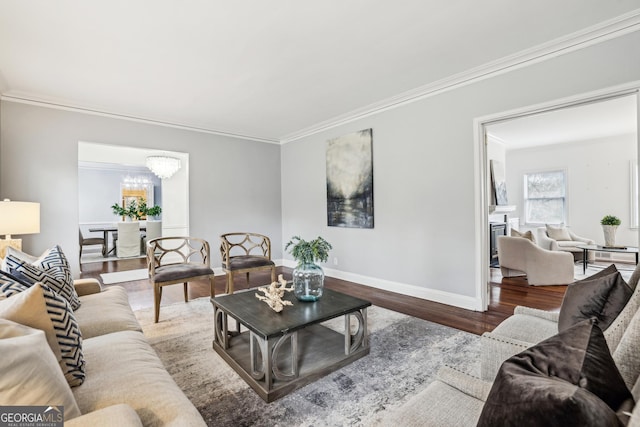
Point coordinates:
[[499, 183], [350, 180]]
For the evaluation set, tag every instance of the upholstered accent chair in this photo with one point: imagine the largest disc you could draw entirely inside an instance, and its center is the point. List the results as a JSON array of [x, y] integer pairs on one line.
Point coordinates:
[[91, 241], [174, 260], [153, 231], [128, 239], [244, 253], [519, 256], [562, 238]]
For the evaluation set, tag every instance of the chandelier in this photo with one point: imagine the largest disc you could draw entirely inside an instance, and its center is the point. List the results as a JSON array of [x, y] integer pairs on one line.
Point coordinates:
[[163, 166]]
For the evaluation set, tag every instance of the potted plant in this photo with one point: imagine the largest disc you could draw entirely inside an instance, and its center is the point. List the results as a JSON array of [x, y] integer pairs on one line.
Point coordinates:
[[154, 211], [132, 211], [610, 224], [308, 277]]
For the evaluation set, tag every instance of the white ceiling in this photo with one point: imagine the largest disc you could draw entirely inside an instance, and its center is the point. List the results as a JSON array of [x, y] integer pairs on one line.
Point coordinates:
[[580, 123], [264, 69]]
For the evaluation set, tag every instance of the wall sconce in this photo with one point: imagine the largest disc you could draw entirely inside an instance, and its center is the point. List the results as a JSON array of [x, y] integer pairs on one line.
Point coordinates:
[[17, 218], [163, 166]]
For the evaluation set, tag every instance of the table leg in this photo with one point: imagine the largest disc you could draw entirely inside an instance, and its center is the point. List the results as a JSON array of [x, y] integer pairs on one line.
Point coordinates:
[[360, 338], [585, 258], [106, 242]]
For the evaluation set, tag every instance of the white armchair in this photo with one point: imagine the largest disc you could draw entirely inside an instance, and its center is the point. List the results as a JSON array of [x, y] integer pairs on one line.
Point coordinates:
[[519, 256], [571, 244]]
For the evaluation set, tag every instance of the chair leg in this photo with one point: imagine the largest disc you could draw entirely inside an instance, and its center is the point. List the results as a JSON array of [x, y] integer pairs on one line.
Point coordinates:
[[248, 286], [186, 297], [212, 286], [157, 295], [229, 289], [273, 274]]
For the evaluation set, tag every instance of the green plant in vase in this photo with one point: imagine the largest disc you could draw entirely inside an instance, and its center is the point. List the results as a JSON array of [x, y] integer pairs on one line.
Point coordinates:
[[610, 225], [610, 220], [154, 211], [133, 211], [308, 277]]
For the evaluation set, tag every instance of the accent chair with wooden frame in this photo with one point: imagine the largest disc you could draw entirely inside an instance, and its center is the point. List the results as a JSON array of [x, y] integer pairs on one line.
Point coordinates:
[[174, 260], [91, 241], [244, 253]]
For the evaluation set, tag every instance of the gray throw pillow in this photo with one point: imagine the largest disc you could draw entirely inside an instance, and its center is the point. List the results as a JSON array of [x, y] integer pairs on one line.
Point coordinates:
[[527, 235], [602, 296], [569, 379], [558, 233]]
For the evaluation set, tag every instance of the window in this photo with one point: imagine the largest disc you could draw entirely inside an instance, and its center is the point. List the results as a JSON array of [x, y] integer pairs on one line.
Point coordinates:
[[545, 197]]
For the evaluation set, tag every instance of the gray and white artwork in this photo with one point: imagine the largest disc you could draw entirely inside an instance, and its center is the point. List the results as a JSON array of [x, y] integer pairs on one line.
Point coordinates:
[[350, 180], [499, 183]]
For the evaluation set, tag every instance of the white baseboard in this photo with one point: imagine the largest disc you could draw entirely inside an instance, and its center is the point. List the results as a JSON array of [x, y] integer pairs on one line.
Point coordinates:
[[435, 295]]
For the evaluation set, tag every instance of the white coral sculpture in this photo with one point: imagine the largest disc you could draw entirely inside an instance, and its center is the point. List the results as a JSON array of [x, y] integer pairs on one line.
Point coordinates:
[[273, 294]]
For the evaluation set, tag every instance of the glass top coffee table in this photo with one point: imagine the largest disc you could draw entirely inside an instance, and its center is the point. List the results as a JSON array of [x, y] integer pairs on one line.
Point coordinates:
[[598, 248], [277, 353]]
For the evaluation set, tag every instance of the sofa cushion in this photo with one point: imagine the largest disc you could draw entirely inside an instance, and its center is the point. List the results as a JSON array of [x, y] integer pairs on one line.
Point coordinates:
[[599, 296], [527, 235], [39, 307], [558, 233], [529, 329], [105, 312], [117, 415], [249, 261], [29, 371], [123, 368], [438, 405], [568, 379], [171, 272], [568, 245], [51, 268], [626, 353]]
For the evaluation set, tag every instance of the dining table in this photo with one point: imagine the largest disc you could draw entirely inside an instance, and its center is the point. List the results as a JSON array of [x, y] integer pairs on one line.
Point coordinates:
[[110, 229]]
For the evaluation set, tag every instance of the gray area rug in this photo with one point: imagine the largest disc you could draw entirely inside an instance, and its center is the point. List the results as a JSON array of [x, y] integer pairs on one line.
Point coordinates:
[[406, 353]]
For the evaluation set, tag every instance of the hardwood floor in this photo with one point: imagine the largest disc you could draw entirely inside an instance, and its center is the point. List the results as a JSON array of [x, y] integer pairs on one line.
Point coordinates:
[[505, 295]]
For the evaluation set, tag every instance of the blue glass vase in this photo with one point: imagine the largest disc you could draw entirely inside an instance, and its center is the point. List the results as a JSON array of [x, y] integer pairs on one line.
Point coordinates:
[[308, 282]]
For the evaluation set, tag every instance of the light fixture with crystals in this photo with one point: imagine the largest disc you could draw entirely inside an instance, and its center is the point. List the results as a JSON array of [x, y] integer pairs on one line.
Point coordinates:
[[163, 166]]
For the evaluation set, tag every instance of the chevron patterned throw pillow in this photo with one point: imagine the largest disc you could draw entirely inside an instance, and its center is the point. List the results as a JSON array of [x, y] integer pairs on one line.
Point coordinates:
[[52, 269], [38, 306]]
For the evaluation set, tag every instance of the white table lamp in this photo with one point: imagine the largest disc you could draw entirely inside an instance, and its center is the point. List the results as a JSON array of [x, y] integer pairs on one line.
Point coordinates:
[[17, 218]]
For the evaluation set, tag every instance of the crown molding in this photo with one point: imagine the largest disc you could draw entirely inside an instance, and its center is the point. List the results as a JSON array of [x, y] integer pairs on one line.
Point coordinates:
[[606, 30], [26, 99]]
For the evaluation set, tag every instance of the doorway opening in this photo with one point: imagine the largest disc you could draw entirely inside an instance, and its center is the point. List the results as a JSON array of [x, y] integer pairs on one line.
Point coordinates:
[[494, 133], [111, 175]]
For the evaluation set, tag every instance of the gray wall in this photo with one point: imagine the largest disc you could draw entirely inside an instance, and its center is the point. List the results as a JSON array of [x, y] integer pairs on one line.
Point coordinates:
[[234, 183], [424, 238], [99, 189]]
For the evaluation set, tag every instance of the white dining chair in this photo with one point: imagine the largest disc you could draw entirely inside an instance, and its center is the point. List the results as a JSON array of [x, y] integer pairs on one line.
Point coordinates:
[[128, 243]]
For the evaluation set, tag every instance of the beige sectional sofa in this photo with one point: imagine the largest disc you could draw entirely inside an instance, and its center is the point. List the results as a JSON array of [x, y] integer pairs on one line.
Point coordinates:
[[457, 398], [125, 383]]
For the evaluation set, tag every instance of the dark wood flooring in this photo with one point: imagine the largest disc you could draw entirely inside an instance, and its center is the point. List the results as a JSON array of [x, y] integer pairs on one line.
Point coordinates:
[[505, 295]]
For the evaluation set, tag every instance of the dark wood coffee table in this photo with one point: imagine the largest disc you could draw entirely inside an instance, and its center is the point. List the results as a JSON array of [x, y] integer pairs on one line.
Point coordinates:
[[278, 353]]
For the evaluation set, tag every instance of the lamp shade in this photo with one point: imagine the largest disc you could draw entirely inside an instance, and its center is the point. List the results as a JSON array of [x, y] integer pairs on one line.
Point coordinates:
[[163, 166], [19, 217]]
